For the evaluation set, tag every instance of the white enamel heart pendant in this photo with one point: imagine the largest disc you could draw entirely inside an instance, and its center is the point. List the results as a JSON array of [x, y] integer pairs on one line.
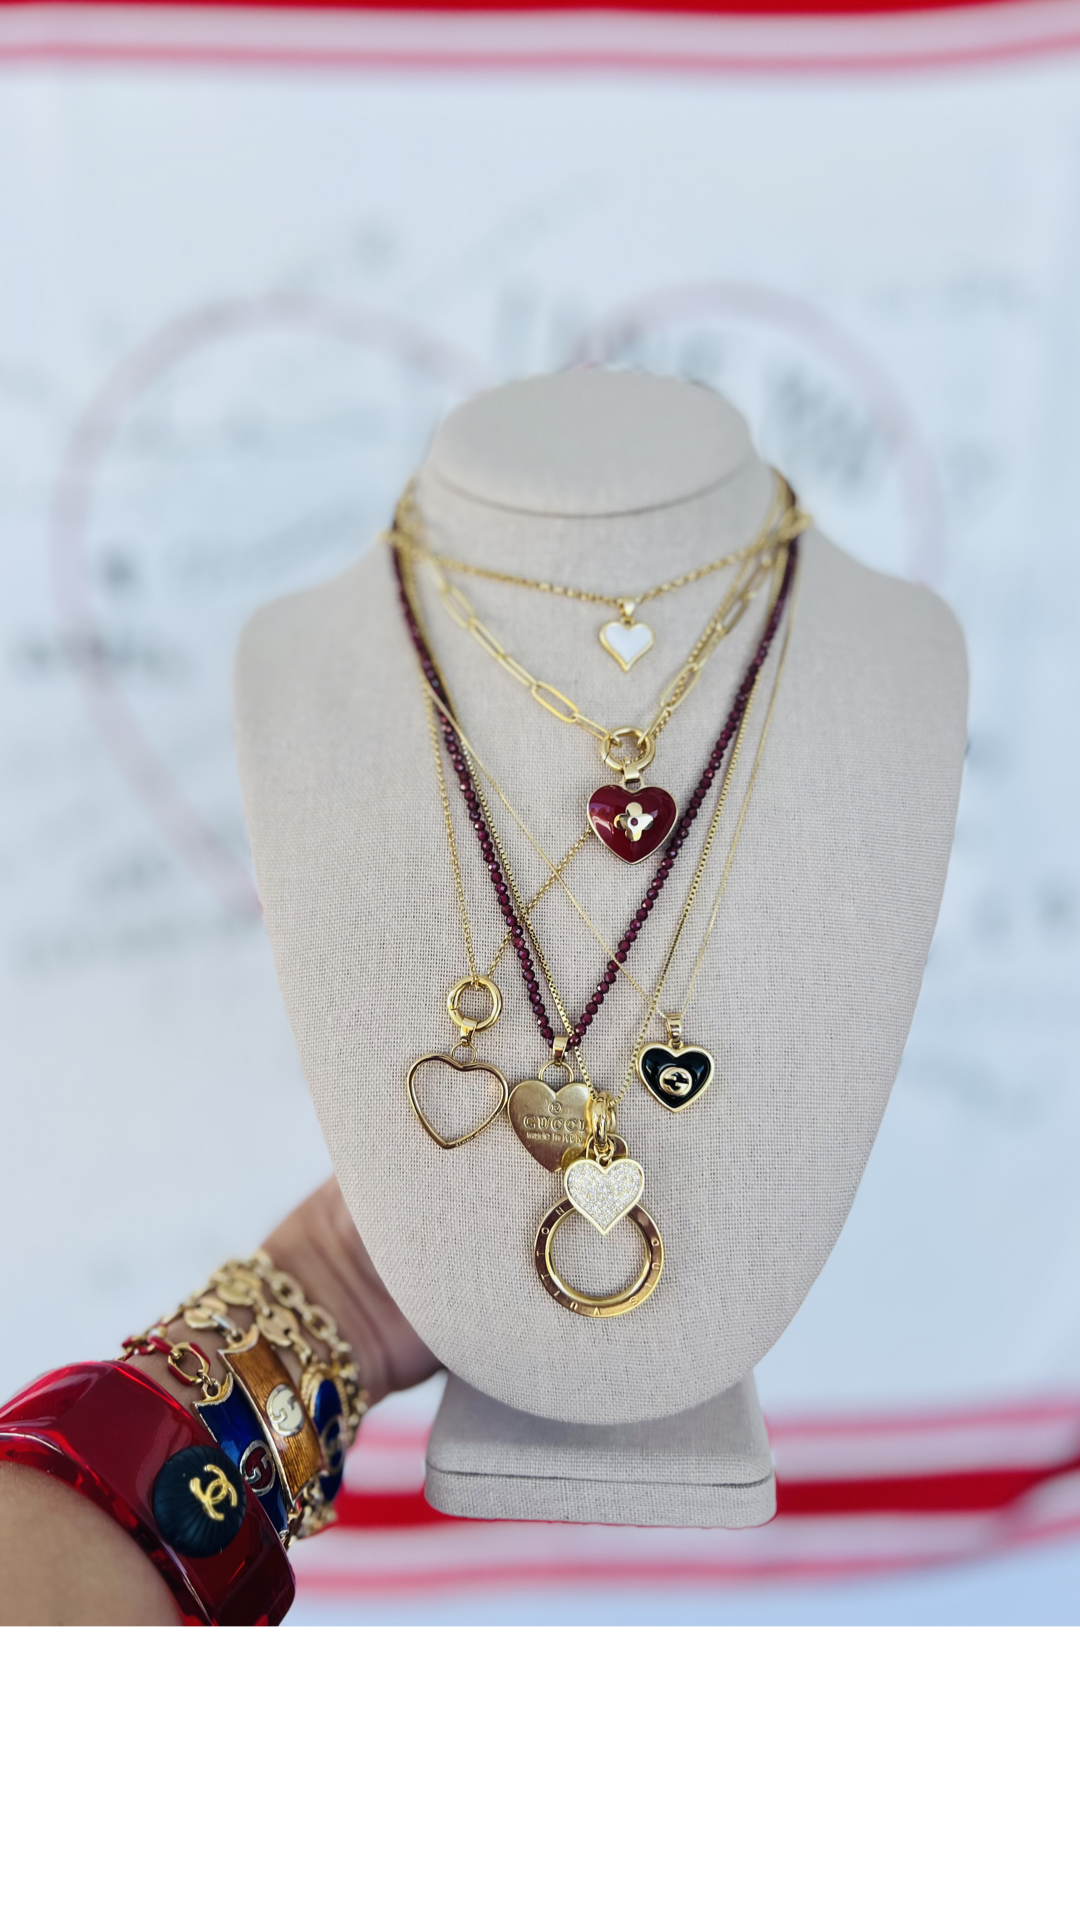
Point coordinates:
[[602, 1195], [626, 644]]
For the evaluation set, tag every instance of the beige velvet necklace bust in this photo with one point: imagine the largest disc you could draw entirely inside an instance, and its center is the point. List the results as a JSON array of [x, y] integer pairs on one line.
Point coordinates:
[[612, 482]]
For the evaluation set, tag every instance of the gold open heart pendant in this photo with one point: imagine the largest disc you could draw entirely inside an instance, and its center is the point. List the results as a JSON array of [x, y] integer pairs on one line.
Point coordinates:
[[459, 1066]]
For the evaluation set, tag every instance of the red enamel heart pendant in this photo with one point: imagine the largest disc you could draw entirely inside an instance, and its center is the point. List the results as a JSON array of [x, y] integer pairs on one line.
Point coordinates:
[[633, 825]]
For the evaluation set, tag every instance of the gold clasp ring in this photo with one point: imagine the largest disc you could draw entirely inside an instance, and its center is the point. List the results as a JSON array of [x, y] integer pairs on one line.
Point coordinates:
[[631, 764], [464, 1021]]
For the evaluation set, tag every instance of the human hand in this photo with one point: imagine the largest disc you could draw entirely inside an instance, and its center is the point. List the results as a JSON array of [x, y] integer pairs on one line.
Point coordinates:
[[318, 1244]]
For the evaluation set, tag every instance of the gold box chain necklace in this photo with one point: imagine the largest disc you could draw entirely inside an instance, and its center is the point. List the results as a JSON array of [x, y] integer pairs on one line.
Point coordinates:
[[508, 905], [672, 1021], [571, 1130], [631, 820]]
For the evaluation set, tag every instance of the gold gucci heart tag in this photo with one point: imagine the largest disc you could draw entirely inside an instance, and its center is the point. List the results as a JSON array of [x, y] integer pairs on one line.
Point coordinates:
[[434, 1060], [548, 1120]]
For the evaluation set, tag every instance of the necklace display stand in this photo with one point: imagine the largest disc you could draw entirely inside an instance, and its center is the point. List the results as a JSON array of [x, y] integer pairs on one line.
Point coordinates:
[[612, 482]]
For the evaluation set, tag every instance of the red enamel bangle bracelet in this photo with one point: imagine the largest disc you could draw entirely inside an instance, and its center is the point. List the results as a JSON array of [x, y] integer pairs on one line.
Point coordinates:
[[108, 1431]]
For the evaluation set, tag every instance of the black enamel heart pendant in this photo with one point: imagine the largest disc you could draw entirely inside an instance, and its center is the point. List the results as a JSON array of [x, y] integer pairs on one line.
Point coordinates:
[[676, 1076]]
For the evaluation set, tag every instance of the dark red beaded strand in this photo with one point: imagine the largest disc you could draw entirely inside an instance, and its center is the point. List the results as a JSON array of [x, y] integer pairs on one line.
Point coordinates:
[[518, 937], [694, 804]]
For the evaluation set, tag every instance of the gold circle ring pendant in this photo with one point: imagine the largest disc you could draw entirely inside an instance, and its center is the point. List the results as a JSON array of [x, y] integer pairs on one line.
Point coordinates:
[[603, 1306]]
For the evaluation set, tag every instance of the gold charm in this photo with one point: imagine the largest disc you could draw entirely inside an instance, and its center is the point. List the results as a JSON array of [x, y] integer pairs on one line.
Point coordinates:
[[634, 821], [626, 639], [604, 1306], [602, 1195], [676, 1075], [605, 1187], [601, 1185], [467, 1063], [550, 1121], [215, 1495]]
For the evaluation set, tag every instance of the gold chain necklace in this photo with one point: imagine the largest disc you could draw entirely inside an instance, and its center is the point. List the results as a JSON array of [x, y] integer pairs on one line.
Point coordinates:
[[554, 876], [557, 870], [637, 826], [626, 640], [573, 1130]]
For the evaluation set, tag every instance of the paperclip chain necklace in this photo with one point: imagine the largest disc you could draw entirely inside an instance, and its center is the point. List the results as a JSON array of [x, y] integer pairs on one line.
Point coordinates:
[[674, 1021], [508, 905], [631, 820], [600, 1182], [556, 872]]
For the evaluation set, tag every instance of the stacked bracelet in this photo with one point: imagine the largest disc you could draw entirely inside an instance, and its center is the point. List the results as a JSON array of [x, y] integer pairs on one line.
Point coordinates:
[[289, 1444], [119, 1439], [214, 1493]]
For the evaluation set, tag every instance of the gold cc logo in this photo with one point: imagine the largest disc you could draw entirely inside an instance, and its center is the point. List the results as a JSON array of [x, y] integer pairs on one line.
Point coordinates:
[[216, 1494]]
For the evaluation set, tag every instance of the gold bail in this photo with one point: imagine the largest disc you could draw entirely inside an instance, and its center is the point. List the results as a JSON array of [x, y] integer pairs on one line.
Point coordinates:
[[629, 608], [673, 1023], [600, 1117], [558, 1049]]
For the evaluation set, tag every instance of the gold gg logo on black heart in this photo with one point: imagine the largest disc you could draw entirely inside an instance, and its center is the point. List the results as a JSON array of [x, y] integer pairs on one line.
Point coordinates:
[[676, 1076]]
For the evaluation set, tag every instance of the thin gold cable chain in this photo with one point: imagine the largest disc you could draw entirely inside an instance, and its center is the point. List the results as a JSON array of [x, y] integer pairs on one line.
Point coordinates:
[[683, 917], [713, 627], [718, 897], [695, 884], [762, 554], [556, 872], [450, 564], [451, 839], [524, 911]]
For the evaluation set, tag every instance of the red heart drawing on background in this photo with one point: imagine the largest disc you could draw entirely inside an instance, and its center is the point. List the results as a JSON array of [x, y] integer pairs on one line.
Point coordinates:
[[633, 825]]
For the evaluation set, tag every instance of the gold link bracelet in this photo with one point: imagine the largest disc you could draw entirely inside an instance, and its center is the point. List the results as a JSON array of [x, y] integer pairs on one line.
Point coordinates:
[[283, 1319]]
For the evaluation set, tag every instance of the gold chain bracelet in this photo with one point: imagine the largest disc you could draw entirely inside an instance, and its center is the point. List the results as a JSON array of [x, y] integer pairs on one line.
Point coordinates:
[[307, 1440]]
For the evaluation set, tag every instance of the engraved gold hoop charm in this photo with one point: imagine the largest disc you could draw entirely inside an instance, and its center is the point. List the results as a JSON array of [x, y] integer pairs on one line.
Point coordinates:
[[598, 1306]]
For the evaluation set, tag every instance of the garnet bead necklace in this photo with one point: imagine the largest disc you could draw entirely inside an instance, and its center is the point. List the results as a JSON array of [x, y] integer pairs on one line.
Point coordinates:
[[504, 892]]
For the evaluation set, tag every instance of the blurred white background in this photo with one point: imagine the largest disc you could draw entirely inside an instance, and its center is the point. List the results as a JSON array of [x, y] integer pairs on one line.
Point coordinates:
[[237, 295]]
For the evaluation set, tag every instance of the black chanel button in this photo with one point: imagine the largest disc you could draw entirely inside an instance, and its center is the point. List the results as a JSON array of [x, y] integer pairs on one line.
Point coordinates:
[[199, 1502], [675, 1076]]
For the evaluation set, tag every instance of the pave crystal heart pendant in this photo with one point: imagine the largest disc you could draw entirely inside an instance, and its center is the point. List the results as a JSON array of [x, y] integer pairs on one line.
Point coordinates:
[[626, 641], [603, 1195], [456, 1066], [548, 1120], [633, 825]]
